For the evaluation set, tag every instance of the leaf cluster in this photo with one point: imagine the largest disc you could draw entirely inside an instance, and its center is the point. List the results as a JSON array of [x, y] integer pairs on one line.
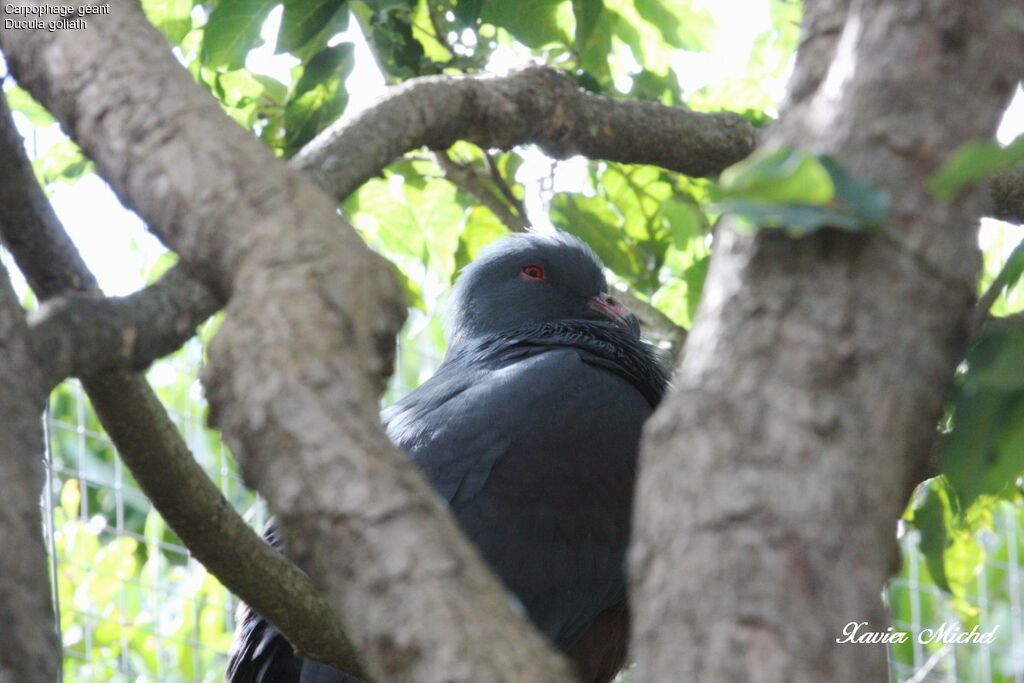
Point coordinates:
[[799, 193]]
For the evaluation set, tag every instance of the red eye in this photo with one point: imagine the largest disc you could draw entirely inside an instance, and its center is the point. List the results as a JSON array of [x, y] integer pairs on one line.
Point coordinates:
[[534, 272]]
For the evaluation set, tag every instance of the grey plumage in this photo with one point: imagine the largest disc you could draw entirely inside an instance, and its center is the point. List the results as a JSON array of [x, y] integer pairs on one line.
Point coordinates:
[[529, 430]]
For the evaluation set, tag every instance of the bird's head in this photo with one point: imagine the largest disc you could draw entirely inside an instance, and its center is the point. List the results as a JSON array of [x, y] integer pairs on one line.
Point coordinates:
[[533, 278]]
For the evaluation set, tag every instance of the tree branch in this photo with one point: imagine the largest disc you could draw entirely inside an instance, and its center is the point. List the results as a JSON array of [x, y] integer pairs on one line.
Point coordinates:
[[468, 180], [31, 651], [988, 297], [502, 185], [297, 366], [656, 325], [147, 440], [806, 404], [192, 505], [439, 33], [533, 105], [80, 334]]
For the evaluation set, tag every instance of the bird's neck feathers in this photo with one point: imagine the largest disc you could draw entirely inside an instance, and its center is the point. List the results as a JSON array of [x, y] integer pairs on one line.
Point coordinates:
[[605, 345]]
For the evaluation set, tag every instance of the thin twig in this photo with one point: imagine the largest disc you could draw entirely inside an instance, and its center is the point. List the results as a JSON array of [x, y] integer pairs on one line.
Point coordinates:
[[468, 180], [503, 185]]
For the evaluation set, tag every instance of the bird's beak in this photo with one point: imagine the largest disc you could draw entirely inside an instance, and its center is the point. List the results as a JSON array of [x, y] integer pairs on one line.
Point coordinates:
[[608, 307]]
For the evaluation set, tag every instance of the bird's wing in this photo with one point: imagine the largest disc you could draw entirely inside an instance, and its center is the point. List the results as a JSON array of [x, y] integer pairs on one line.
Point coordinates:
[[536, 459], [433, 425], [260, 654]]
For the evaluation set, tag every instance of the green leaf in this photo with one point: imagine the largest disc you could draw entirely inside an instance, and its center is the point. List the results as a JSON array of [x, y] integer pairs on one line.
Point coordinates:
[[232, 30], [509, 164], [247, 96], [534, 23], [1009, 444], [467, 12], [695, 276], [379, 211], [413, 291], [972, 162], [682, 24], [590, 219], [1014, 267], [799, 194], [432, 28], [797, 220], [173, 18], [327, 67], [319, 96], [411, 171], [968, 452], [931, 517], [237, 88], [865, 200], [951, 551], [981, 454], [304, 19], [657, 87], [781, 175], [273, 90], [685, 222], [587, 12], [438, 217], [652, 28], [401, 55], [586, 80], [386, 5], [671, 300], [680, 296], [594, 71], [20, 101], [1009, 274], [61, 162], [996, 362], [481, 227]]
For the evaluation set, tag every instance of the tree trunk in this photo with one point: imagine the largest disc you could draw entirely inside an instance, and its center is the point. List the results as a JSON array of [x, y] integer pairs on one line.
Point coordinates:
[[812, 381], [30, 650]]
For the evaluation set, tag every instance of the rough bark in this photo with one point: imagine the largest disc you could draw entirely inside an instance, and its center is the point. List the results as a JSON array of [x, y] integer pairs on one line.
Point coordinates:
[[814, 375], [30, 651], [81, 334], [147, 440], [264, 268], [152, 448], [533, 105], [297, 366]]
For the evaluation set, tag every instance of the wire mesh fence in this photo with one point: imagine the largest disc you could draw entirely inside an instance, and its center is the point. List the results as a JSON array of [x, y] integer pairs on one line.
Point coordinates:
[[932, 617], [134, 606]]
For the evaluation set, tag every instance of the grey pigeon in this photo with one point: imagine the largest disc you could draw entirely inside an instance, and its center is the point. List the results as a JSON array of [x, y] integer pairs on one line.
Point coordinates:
[[529, 430]]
